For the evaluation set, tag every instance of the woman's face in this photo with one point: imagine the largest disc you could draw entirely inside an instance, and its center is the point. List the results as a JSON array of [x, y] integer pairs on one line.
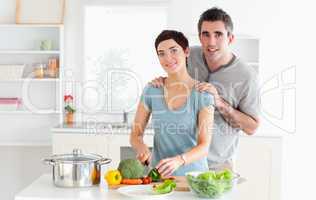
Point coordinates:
[[171, 56]]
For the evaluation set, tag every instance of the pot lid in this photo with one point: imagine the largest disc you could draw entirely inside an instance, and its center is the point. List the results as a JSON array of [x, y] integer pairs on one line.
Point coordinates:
[[76, 157]]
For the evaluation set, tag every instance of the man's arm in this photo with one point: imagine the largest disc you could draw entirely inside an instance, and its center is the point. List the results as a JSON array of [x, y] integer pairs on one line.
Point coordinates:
[[232, 116], [236, 118]]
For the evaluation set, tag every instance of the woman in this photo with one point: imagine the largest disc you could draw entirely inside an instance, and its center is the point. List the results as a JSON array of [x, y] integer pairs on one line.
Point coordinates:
[[182, 117]]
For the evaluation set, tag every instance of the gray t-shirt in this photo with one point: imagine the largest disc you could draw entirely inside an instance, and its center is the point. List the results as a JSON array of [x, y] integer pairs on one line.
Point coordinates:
[[237, 83]]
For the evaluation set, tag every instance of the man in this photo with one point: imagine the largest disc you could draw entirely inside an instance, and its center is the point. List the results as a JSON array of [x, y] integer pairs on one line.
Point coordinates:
[[233, 84]]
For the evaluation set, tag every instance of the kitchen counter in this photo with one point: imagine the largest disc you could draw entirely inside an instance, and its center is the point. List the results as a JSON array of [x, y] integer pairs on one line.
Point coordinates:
[[97, 128], [44, 189], [117, 128]]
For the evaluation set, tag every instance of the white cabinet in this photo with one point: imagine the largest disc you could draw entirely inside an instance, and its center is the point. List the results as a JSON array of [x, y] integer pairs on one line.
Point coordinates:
[[20, 45], [248, 48], [259, 160]]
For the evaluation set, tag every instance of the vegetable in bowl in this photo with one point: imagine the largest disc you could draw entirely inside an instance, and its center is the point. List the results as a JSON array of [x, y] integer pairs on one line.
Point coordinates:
[[211, 184]]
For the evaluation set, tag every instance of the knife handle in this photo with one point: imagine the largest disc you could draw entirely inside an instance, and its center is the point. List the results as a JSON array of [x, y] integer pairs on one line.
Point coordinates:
[[146, 163]]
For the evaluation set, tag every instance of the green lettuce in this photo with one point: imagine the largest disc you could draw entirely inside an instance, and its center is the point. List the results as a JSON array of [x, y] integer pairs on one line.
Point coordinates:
[[211, 184], [165, 187]]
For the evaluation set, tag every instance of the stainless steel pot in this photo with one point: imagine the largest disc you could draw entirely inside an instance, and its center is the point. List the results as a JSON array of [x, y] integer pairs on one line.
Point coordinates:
[[76, 169]]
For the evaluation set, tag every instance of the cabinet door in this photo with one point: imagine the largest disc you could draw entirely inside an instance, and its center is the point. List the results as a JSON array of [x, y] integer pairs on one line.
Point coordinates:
[[88, 143], [259, 161]]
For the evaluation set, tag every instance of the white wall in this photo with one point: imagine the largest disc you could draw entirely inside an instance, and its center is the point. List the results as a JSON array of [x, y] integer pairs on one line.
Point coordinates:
[[294, 43], [7, 11]]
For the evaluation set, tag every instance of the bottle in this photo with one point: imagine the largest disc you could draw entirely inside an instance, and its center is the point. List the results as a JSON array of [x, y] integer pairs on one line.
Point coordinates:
[[103, 185], [52, 67]]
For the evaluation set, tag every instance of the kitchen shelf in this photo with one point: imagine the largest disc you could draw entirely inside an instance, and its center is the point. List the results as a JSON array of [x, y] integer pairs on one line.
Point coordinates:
[[18, 112], [28, 52], [20, 44]]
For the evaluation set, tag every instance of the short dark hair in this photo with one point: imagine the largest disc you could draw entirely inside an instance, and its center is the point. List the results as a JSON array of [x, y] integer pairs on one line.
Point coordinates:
[[172, 34], [216, 14]]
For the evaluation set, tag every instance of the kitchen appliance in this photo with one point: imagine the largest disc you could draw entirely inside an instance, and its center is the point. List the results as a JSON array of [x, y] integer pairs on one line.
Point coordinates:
[[76, 169]]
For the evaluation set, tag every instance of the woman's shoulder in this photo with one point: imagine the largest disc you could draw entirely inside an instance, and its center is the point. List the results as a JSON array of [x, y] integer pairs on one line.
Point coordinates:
[[202, 94], [150, 89], [204, 98]]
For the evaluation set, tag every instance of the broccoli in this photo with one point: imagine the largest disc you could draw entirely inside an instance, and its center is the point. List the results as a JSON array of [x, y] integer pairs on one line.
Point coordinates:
[[131, 168]]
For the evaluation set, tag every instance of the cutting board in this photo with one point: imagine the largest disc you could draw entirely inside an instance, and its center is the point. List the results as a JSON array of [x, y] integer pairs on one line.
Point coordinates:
[[181, 182]]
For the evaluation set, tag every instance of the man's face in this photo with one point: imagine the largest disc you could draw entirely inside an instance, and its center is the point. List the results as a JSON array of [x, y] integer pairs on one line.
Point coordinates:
[[215, 41]]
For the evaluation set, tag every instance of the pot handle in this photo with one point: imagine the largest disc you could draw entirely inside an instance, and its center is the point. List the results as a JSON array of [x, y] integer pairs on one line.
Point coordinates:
[[48, 161], [104, 161]]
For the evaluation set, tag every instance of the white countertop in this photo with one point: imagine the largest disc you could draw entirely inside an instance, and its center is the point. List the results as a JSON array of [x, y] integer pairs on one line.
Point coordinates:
[[117, 128], [44, 189], [97, 128]]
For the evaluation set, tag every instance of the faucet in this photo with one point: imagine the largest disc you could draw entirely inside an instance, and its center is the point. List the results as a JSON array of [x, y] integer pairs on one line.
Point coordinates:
[[125, 117]]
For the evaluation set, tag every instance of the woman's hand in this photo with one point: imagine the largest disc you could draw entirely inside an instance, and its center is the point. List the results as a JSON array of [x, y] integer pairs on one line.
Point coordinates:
[[143, 153], [169, 165], [158, 82]]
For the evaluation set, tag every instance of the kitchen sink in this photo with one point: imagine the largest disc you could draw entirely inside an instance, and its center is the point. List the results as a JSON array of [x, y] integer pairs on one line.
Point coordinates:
[[123, 126], [120, 125]]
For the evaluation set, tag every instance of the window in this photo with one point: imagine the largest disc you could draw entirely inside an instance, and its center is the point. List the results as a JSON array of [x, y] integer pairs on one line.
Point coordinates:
[[119, 54]]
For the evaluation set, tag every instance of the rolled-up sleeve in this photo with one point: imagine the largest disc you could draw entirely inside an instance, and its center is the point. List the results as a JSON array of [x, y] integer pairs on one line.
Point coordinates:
[[250, 101]]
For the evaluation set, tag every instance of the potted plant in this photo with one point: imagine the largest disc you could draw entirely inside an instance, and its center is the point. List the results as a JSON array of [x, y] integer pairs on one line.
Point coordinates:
[[69, 109]]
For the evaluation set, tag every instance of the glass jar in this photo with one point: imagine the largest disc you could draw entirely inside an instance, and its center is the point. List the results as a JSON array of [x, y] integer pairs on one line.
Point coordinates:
[[39, 70]]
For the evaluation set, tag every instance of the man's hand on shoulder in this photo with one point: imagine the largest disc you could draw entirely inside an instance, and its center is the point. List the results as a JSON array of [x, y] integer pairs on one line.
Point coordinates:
[[158, 82], [210, 88]]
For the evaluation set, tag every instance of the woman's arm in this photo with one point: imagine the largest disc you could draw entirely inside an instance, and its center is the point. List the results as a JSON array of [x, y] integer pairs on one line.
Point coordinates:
[[205, 124], [138, 128]]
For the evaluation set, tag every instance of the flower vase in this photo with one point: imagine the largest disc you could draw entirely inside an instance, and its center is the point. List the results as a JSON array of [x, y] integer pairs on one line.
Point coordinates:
[[69, 118]]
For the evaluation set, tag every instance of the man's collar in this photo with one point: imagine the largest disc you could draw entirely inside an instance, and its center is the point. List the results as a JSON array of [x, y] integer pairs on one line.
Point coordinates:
[[222, 66]]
